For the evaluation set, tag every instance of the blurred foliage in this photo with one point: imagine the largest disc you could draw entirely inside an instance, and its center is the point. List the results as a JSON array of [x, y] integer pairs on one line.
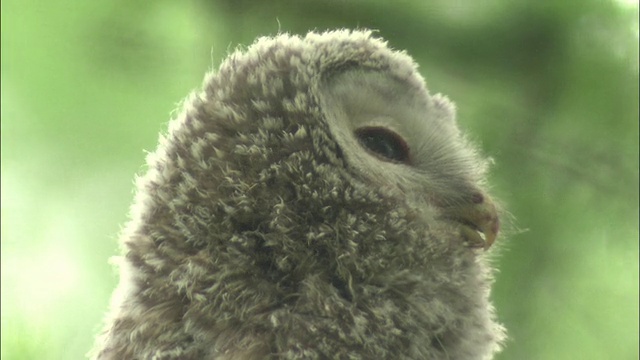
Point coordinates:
[[549, 89]]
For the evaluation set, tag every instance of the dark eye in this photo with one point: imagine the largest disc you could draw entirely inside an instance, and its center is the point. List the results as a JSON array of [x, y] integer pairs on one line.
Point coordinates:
[[385, 143]]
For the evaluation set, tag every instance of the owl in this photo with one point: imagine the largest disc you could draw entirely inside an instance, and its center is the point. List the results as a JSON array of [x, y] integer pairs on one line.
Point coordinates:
[[312, 201]]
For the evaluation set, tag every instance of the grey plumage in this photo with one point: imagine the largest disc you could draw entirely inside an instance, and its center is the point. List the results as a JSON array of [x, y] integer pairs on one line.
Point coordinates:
[[313, 201]]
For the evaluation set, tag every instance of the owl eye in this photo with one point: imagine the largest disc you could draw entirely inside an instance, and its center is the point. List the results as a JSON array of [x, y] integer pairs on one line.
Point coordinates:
[[384, 142]]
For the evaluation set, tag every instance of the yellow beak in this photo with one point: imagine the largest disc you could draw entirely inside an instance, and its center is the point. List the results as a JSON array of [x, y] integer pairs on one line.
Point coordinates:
[[479, 219]]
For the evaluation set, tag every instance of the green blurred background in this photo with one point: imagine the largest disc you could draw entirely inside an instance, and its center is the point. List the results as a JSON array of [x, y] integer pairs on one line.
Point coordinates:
[[548, 88]]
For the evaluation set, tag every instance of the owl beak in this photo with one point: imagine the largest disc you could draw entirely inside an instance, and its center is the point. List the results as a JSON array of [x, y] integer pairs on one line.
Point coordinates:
[[480, 222]]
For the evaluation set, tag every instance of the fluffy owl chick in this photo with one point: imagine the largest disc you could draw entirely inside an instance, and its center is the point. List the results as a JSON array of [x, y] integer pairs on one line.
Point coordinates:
[[313, 201]]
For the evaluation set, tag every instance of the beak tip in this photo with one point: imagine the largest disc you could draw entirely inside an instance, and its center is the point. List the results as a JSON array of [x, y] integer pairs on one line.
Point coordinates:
[[489, 240], [492, 232]]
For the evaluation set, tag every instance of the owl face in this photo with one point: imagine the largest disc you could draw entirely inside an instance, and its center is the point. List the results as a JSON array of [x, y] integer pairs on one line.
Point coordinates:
[[397, 137]]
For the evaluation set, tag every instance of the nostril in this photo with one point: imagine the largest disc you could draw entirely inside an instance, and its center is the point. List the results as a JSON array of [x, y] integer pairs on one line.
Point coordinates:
[[477, 198]]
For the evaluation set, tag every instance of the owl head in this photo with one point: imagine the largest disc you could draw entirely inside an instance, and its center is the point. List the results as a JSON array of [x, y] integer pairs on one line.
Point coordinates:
[[312, 201]]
